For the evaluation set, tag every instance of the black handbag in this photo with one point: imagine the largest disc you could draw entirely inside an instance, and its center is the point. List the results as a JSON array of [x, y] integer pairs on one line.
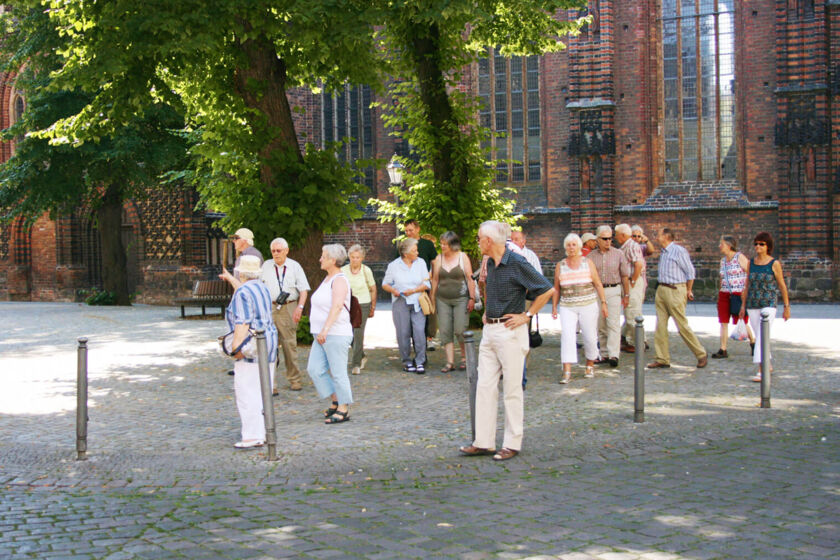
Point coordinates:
[[534, 337]]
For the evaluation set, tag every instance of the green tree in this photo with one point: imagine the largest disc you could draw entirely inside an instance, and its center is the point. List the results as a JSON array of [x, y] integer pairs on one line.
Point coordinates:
[[59, 177], [231, 63], [430, 42]]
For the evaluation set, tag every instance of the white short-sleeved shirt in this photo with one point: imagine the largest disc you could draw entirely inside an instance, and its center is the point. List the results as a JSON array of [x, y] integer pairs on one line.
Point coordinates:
[[290, 275]]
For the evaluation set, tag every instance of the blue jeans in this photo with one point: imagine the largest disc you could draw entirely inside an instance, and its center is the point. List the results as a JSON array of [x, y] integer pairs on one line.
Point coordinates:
[[327, 367]]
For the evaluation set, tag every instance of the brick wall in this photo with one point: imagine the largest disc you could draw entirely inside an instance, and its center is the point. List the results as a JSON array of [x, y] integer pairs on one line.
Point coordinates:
[[603, 160]]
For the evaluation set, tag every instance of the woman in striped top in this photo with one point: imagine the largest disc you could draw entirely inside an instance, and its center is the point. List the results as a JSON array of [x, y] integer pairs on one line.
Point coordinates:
[[578, 290]]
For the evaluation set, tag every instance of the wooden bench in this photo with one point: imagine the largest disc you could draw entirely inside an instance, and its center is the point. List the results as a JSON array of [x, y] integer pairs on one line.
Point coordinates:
[[207, 293]]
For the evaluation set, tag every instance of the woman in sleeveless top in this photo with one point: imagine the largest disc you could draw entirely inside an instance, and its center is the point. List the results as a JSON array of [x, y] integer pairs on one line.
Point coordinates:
[[453, 292], [578, 290], [329, 323], [733, 275], [765, 281]]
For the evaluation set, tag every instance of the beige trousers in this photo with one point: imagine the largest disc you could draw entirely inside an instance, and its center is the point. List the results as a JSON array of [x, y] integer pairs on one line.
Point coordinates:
[[670, 303], [633, 310], [502, 353], [609, 327], [287, 339]]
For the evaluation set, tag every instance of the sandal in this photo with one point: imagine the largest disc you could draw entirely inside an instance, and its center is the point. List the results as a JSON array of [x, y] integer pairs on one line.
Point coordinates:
[[448, 367], [590, 371], [338, 417], [463, 365], [410, 368], [567, 376], [331, 410]]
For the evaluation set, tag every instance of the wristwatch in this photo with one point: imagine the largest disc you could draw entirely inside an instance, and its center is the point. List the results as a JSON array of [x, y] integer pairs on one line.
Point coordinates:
[[300, 307], [529, 314]]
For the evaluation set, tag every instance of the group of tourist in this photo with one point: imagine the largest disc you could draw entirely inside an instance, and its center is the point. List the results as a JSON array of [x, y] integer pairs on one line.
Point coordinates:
[[596, 282]]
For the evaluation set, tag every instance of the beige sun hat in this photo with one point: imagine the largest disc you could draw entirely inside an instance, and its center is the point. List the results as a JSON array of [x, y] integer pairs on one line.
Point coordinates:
[[587, 237], [249, 264]]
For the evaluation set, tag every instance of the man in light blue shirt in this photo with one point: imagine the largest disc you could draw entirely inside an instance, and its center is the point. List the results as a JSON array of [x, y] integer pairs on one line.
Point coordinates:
[[676, 278]]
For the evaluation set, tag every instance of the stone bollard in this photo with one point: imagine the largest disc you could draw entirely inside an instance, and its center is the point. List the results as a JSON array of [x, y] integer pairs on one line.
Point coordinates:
[[472, 374], [639, 373], [765, 359], [265, 388], [81, 400]]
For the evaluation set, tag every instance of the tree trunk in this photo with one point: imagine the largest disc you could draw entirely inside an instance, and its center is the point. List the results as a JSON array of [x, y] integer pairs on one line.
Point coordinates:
[[262, 85], [308, 255], [425, 52], [114, 272]]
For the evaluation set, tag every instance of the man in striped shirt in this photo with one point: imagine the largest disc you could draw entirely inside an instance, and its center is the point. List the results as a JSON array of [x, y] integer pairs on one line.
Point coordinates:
[[613, 270], [676, 278]]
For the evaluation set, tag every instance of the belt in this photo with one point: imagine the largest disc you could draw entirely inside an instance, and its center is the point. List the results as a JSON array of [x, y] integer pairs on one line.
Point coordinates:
[[496, 320], [672, 286], [611, 285]]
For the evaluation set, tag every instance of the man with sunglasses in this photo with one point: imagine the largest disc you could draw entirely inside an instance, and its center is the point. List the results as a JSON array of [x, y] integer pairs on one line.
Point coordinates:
[[613, 270], [676, 278], [243, 242]]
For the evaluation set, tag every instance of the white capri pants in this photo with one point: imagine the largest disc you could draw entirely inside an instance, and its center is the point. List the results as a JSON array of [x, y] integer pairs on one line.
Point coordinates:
[[755, 325], [570, 317], [246, 387]]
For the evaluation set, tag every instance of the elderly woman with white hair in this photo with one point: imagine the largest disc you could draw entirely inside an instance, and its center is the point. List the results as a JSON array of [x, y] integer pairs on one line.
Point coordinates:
[[250, 309], [329, 323], [363, 286], [578, 290], [405, 279]]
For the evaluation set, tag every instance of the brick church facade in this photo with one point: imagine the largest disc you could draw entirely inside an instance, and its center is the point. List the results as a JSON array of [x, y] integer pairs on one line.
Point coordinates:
[[707, 116]]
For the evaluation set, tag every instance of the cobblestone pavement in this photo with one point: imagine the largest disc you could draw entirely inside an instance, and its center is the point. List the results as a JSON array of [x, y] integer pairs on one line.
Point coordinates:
[[708, 475]]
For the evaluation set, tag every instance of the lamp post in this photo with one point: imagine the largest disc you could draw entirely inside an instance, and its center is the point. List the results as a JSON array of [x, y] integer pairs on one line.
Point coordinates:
[[395, 170]]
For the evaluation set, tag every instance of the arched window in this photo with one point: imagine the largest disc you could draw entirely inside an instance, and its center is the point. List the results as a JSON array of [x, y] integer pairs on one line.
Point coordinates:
[[510, 107], [347, 114], [699, 71]]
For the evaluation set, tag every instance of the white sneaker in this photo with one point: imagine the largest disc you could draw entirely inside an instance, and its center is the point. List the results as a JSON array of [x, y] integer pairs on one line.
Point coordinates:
[[756, 378], [356, 371], [248, 444]]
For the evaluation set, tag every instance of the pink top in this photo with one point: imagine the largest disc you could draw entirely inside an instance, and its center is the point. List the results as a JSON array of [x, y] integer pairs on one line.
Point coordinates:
[[732, 276], [576, 287]]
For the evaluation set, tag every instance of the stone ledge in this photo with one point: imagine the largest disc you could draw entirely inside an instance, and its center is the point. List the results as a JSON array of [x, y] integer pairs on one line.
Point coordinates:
[[693, 197]]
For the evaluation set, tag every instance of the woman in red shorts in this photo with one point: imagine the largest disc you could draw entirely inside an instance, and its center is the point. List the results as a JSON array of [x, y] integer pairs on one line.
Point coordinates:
[[733, 275]]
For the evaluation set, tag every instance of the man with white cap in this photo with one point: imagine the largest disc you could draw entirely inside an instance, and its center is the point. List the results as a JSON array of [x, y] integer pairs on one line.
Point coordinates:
[[589, 241], [243, 241]]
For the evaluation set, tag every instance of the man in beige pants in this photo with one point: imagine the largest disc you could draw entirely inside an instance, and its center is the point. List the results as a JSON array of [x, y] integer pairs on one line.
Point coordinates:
[[676, 278], [283, 275], [638, 284], [504, 342]]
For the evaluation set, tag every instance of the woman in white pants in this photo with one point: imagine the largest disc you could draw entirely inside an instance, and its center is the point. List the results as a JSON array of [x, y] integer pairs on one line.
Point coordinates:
[[765, 281], [578, 290], [250, 309]]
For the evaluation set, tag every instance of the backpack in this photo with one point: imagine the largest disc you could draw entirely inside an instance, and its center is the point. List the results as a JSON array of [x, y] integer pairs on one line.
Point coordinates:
[[355, 312]]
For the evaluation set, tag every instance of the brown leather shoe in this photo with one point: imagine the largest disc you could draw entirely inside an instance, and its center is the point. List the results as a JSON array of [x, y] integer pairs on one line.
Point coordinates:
[[657, 365], [295, 387], [628, 348], [504, 454], [473, 451], [701, 363]]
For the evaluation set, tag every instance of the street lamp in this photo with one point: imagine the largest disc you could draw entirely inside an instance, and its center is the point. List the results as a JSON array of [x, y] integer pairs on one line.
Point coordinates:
[[395, 170]]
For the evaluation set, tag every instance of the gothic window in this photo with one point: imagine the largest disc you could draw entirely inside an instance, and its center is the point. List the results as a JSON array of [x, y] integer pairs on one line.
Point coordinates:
[[699, 71], [346, 115], [510, 108]]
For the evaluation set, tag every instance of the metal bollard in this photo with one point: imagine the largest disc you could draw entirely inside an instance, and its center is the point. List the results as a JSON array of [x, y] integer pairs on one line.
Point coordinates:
[[639, 373], [265, 388], [765, 359], [472, 374], [81, 400]]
